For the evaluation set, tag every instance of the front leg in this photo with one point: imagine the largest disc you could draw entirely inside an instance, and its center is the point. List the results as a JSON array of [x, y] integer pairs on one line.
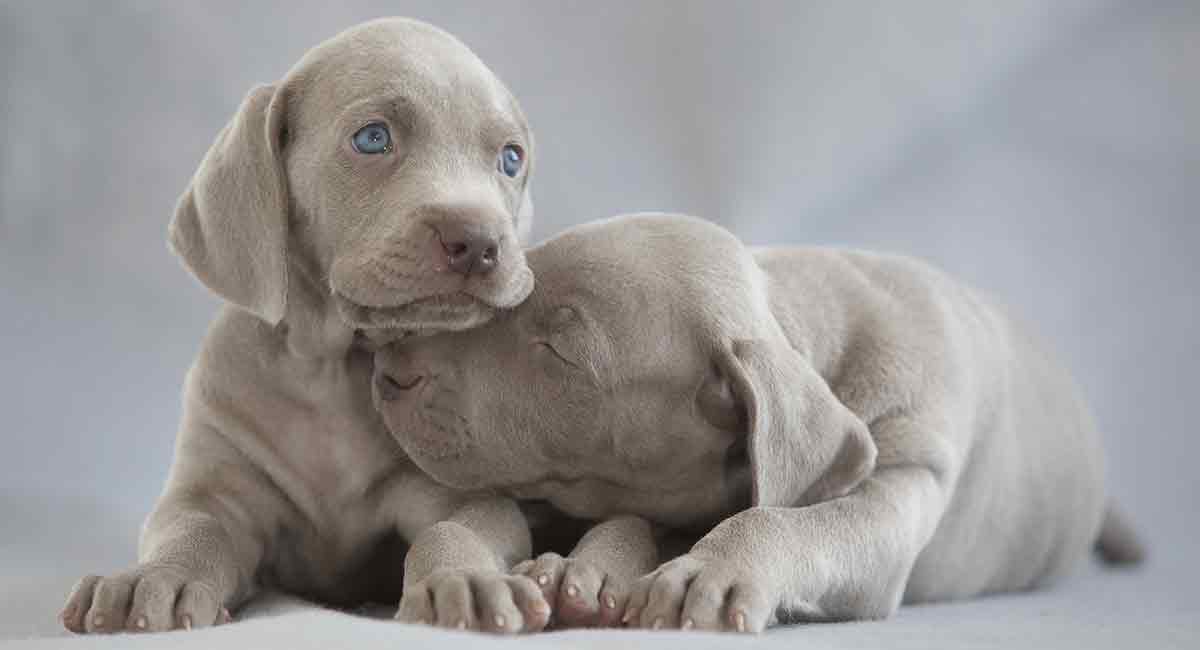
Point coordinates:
[[199, 551], [848, 558], [456, 574], [590, 587]]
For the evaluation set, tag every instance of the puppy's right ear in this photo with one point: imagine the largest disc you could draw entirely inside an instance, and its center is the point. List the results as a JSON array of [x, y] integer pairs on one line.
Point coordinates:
[[230, 226], [804, 445]]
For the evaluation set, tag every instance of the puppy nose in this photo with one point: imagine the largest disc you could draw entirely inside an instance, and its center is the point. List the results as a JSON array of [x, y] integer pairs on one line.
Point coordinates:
[[392, 385], [469, 248]]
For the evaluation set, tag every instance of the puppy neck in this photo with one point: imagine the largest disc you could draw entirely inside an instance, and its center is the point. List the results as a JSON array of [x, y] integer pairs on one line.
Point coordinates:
[[312, 326]]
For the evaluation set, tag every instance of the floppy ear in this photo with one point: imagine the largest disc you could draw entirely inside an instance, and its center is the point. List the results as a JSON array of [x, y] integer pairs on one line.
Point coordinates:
[[230, 226], [804, 445]]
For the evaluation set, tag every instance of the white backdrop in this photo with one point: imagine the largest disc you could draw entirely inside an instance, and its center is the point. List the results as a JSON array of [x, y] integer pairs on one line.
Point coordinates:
[[1048, 152]]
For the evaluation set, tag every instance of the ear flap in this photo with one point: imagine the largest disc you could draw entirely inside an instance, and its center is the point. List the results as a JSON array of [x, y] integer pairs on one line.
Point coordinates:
[[804, 445], [230, 226]]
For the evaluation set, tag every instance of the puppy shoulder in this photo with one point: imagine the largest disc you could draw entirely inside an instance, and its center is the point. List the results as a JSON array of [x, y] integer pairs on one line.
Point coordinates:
[[239, 353], [823, 287], [883, 329]]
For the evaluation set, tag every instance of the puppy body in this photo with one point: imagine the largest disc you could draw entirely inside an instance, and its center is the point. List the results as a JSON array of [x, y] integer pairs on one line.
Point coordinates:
[[947, 382], [322, 237], [863, 428]]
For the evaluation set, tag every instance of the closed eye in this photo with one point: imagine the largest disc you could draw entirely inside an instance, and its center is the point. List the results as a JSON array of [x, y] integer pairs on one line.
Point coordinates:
[[546, 347]]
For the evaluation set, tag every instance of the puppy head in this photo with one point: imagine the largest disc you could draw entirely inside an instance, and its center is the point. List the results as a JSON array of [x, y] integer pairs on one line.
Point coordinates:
[[387, 175], [645, 374]]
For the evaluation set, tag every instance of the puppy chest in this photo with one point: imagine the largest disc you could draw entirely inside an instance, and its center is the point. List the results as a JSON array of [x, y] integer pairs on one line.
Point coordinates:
[[337, 459]]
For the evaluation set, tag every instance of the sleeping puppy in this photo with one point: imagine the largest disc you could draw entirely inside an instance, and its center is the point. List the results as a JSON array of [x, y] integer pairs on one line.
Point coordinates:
[[381, 185], [848, 430]]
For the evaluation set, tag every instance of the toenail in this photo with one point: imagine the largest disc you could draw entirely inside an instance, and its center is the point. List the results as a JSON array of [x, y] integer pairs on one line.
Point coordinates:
[[98, 620], [658, 623], [629, 614], [741, 621], [572, 591], [543, 580], [688, 624], [187, 621], [500, 621], [610, 602], [140, 622]]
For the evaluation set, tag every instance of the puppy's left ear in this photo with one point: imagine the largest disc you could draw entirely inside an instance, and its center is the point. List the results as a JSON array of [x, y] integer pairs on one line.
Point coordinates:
[[804, 445]]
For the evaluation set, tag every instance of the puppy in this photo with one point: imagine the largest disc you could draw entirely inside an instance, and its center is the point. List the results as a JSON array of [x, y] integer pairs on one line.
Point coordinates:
[[382, 185], [848, 430]]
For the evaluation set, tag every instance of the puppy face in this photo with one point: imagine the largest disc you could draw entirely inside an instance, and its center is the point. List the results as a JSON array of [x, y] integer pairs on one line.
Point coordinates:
[[408, 166], [599, 393], [388, 171]]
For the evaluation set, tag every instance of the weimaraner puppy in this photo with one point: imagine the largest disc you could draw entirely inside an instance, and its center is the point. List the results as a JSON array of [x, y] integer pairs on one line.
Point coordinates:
[[852, 430], [382, 183]]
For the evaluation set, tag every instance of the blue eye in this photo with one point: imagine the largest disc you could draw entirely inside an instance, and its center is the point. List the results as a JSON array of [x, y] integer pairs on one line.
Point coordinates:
[[511, 157], [373, 138]]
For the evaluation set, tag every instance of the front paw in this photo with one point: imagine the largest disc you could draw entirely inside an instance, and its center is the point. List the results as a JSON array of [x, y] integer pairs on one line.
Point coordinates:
[[700, 592], [487, 601], [147, 598], [581, 594]]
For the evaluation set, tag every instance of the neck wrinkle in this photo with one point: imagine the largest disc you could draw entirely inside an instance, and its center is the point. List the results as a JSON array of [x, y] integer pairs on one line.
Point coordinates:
[[315, 330]]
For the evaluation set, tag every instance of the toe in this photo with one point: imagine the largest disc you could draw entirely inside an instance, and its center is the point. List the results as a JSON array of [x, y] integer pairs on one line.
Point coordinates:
[[703, 605], [666, 599], [494, 604], [579, 595], [529, 599], [197, 606], [547, 572], [453, 604], [416, 606], [748, 610], [613, 597], [639, 594], [78, 604], [153, 604], [110, 605]]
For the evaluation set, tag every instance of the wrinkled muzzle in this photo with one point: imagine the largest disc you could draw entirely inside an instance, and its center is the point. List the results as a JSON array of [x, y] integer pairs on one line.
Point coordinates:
[[451, 269]]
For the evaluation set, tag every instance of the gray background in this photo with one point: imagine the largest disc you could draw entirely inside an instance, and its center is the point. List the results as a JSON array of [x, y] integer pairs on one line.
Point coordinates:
[[1047, 152]]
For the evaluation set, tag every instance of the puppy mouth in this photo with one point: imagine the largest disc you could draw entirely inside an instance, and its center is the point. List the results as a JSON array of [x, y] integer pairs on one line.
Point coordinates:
[[440, 312]]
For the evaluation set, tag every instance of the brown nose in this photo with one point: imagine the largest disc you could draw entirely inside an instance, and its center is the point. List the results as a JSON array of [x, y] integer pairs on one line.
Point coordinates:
[[391, 386], [469, 248]]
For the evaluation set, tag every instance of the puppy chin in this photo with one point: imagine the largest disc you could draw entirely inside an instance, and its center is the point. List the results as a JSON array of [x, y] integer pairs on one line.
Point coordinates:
[[515, 291], [438, 313], [436, 441], [447, 471], [443, 454], [452, 468]]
